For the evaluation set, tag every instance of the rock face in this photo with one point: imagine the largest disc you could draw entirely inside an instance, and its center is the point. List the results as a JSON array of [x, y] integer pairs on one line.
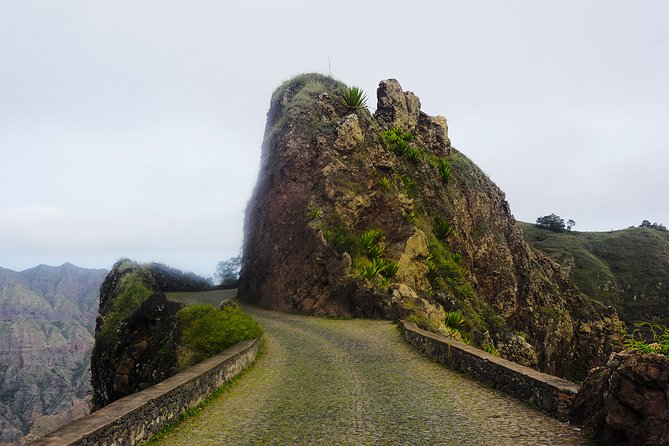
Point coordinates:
[[136, 332], [626, 402], [379, 216], [47, 319]]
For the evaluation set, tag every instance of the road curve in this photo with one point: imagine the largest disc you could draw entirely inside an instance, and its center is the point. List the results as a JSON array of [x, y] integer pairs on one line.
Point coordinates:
[[355, 382]]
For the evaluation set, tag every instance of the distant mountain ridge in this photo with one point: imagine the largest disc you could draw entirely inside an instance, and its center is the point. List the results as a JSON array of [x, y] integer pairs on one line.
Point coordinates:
[[627, 269], [47, 318]]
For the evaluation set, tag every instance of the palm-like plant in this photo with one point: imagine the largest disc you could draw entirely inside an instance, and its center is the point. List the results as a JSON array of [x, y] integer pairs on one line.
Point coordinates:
[[353, 98]]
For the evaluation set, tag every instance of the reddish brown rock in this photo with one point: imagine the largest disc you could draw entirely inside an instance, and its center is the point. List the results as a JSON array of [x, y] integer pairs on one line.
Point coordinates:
[[626, 402], [328, 175]]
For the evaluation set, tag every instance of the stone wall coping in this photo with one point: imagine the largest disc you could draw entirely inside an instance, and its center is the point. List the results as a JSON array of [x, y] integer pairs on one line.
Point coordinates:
[[550, 393], [81, 431]]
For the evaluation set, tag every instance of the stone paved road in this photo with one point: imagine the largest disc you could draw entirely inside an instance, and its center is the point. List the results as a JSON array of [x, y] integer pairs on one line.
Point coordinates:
[[355, 382]]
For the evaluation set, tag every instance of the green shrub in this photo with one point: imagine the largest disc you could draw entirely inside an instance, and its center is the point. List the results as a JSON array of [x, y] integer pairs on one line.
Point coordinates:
[[370, 270], [315, 214], [397, 140], [414, 154], [390, 268], [441, 228], [444, 169], [455, 320], [659, 335], [353, 98], [408, 183], [384, 182], [368, 244], [206, 331]]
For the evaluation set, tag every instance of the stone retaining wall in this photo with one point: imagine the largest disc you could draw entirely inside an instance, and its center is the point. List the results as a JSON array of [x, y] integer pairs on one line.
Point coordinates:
[[137, 417], [550, 393]]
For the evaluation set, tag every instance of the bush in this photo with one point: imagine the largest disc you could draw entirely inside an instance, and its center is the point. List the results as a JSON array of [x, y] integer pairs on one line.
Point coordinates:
[[444, 170], [455, 320], [368, 244], [206, 331], [660, 338], [441, 228], [397, 140]]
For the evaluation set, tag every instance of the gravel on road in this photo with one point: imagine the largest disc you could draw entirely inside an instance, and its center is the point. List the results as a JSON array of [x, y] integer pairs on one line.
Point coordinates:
[[356, 382]]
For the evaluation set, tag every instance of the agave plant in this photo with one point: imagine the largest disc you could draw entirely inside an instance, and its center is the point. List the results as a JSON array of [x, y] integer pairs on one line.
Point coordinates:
[[455, 320], [414, 154], [368, 243], [353, 98], [441, 228], [444, 170]]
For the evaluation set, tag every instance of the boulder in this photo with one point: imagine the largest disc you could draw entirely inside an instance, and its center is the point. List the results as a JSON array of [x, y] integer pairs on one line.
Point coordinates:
[[626, 402]]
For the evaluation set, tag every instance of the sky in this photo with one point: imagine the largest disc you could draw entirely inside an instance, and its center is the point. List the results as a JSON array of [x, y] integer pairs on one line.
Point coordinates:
[[133, 128]]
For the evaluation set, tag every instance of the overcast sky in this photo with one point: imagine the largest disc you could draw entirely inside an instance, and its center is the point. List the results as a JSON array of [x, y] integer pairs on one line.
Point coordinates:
[[133, 128]]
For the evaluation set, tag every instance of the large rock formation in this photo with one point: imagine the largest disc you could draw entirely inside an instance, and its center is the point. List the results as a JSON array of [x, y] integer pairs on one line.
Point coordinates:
[[378, 216], [627, 401], [47, 317], [136, 333]]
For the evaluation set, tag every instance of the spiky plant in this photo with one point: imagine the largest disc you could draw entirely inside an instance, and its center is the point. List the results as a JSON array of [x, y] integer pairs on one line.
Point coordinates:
[[455, 320], [390, 268], [384, 182], [441, 228], [368, 244], [398, 140], [444, 170], [414, 155], [353, 98]]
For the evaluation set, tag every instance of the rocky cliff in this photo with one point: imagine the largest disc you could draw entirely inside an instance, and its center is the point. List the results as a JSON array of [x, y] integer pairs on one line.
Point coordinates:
[[47, 317], [379, 216], [136, 331]]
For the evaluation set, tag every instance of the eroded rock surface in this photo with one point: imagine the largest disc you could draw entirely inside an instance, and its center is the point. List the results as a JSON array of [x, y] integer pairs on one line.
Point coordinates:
[[626, 402], [329, 175]]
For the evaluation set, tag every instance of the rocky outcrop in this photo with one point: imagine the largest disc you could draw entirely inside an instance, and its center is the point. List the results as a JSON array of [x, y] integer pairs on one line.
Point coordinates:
[[626, 402], [332, 179], [137, 331], [47, 319]]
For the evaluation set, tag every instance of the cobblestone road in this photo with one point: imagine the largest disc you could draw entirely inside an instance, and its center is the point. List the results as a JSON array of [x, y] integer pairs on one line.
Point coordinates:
[[355, 382]]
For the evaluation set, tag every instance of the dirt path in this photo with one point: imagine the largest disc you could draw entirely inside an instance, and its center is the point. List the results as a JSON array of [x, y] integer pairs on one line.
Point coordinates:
[[355, 382]]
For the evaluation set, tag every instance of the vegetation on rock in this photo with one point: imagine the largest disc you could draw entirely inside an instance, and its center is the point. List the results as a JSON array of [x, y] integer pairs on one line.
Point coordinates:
[[141, 337], [444, 224], [353, 98]]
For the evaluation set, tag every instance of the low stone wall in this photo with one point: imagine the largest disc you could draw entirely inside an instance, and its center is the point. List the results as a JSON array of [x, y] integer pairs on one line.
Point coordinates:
[[550, 393], [137, 417]]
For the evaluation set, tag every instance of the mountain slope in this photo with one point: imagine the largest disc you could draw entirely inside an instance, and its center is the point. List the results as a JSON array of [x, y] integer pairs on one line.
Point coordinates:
[[47, 317], [628, 269], [379, 216]]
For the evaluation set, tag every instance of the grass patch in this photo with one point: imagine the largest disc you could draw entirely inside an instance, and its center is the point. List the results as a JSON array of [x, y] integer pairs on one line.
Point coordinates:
[[132, 291], [208, 330]]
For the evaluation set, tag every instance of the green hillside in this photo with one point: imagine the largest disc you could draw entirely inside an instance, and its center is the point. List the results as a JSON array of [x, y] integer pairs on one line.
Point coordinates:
[[628, 269]]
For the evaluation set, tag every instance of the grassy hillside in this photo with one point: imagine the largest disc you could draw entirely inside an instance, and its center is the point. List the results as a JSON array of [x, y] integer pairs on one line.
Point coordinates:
[[628, 269]]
